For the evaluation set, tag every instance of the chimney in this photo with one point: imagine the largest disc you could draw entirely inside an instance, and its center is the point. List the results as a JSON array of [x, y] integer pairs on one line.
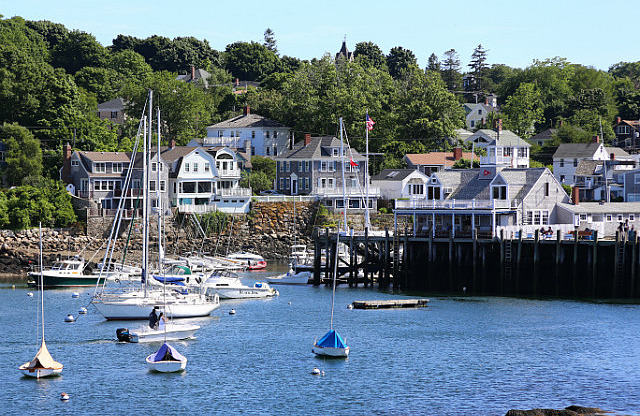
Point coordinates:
[[247, 110], [499, 124], [457, 153], [172, 144], [596, 139], [486, 101], [307, 139], [66, 163], [237, 82], [618, 120], [247, 149], [575, 195], [612, 156], [193, 73]]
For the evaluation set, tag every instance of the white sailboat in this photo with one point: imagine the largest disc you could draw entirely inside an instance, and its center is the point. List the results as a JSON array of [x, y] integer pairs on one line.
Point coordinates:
[[139, 304], [43, 364], [166, 360]]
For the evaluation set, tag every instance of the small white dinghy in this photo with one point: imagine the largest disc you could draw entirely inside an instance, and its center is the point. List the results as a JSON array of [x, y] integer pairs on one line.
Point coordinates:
[[166, 360], [290, 278]]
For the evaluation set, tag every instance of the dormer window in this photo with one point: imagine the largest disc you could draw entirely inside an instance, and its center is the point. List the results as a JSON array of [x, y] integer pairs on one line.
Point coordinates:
[[186, 167], [100, 167], [499, 192], [433, 192], [336, 152]]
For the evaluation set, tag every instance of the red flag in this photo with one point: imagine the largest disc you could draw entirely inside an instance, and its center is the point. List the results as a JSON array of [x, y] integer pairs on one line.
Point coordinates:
[[352, 163], [370, 123]]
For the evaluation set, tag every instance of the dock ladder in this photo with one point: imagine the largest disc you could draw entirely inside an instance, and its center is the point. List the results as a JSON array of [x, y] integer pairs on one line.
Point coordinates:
[[507, 259]]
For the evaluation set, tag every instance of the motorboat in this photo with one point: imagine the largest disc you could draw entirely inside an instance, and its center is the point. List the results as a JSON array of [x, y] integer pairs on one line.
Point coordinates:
[[66, 273], [166, 360], [290, 278], [299, 255], [228, 285], [168, 332], [250, 260]]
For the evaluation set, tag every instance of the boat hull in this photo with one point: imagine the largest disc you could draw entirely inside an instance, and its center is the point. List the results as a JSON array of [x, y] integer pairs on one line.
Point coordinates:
[[330, 351], [166, 366], [248, 293], [50, 281], [40, 372], [173, 332], [301, 278], [136, 308]]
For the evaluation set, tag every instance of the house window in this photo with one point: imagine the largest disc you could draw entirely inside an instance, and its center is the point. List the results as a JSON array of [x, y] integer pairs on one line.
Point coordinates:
[[562, 178], [253, 134], [268, 150], [507, 151], [499, 192], [101, 167], [561, 163], [135, 184], [433, 192], [281, 183], [288, 183], [153, 166], [275, 150], [186, 167], [331, 183], [307, 166], [473, 123], [287, 166], [266, 134], [75, 163], [207, 168], [114, 114], [300, 166], [536, 217], [339, 203], [354, 203], [275, 134], [523, 152], [163, 185], [609, 218], [620, 217], [583, 217], [335, 152], [307, 183], [152, 185], [636, 178], [575, 163], [117, 167], [416, 189], [546, 189], [623, 129], [323, 166], [195, 167], [480, 111], [253, 150], [632, 217]]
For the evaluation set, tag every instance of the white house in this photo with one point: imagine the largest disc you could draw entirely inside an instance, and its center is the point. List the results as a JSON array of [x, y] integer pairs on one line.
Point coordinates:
[[568, 156], [401, 183], [476, 113], [504, 148], [267, 137]]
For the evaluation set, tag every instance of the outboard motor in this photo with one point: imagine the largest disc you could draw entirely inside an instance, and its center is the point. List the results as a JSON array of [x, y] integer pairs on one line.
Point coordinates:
[[123, 335]]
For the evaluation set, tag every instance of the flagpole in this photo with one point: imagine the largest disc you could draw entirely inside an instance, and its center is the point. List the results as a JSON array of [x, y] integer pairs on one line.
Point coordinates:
[[367, 221]]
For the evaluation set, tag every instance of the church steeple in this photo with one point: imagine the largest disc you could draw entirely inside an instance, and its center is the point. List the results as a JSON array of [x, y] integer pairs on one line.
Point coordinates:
[[344, 51]]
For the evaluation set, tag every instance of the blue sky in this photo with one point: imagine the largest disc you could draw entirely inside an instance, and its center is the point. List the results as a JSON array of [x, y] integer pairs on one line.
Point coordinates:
[[589, 32]]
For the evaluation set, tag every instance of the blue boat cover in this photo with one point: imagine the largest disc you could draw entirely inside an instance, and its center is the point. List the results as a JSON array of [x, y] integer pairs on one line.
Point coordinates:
[[331, 340], [167, 351], [174, 280]]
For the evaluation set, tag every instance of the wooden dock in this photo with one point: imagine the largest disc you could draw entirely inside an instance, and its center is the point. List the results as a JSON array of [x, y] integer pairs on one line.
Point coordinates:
[[390, 304]]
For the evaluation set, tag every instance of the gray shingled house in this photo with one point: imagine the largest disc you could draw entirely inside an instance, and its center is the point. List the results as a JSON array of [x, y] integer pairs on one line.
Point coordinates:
[[314, 167]]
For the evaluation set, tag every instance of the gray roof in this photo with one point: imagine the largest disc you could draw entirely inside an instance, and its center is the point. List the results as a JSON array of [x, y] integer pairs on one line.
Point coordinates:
[[466, 183], [393, 174], [576, 150], [249, 120], [588, 168], [500, 138], [198, 74], [318, 148], [617, 152], [545, 134], [115, 104], [606, 208]]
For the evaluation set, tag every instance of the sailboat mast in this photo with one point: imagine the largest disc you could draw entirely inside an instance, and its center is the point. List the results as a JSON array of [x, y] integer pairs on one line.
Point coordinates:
[[159, 207], [145, 197], [344, 185], [335, 273], [41, 283], [367, 220]]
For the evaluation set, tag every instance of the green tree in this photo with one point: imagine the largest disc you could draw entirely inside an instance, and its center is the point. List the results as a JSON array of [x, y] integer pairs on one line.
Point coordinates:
[[23, 156], [270, 40], [52, 33], [434, 63], [451, 70], [400, 60], [103, 83], [368, 54], [523, 109], [249, 61], [478, 68], [78, 50]]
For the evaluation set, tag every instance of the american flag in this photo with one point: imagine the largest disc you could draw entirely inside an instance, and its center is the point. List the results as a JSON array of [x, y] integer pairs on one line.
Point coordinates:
[[370, 123]]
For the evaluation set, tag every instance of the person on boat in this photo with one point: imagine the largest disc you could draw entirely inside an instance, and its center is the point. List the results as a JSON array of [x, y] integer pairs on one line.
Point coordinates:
[[153, 319], [161, 322]]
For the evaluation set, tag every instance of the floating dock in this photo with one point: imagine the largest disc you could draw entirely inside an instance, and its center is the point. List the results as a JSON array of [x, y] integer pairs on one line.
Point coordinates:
[[390, 304]]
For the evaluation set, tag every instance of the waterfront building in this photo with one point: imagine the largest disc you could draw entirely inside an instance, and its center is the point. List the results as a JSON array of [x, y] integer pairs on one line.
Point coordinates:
[[428, 163], [504, 148], [401, 183]]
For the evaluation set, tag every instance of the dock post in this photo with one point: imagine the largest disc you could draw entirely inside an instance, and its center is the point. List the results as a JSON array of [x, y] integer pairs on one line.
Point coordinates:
[[396, 256], [594, 266], [502, 265], [617, 267], [351, 260], [317, 252], [474, 261], [366, 257], [386, 257], [405, 257], [557, 267], [518, 260], [451, 260], [575, 262], [536, 261], [634, 249], [484, 265]]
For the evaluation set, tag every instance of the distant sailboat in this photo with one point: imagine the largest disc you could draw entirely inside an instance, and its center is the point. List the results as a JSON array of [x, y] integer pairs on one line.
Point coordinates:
[[43, 364], [332, 344]]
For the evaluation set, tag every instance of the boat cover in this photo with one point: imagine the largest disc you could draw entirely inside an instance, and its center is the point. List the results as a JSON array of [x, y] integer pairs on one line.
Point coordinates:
[[42, 360], [331, 340], [167, 353], [174, 280]]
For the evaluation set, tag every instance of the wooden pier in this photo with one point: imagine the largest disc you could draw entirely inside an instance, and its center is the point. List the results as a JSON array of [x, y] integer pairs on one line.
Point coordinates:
[[559, 267]]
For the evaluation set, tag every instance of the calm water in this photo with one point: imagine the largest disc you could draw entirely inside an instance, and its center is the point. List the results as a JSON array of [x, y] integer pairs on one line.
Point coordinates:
[[460, 356]]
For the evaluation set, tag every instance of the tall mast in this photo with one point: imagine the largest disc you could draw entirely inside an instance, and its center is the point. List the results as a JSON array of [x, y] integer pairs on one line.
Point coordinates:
[[145, 196], [159, 206], [344, 185], [367, 220]]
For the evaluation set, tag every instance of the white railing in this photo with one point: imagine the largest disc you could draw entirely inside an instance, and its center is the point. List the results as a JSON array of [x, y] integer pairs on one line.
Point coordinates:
[[196, 209], [236, 142], [374, 192], [229, 173], [456, 204], [234, 191], [288, 198], [529, 231]]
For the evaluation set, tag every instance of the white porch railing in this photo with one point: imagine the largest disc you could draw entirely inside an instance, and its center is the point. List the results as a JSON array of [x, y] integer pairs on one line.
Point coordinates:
[[456, 204], [234, 191], [196, 209], [529, 231], [374, 192], [235, 142]]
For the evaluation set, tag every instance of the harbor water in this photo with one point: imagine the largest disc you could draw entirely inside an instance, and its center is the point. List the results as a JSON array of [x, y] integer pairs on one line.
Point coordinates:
[[459, 356]]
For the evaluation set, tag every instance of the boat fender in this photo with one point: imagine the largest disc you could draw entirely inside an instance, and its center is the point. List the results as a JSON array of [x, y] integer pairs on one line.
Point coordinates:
[[82, 311], [30, 294], [123, 335], [315, 371], [75, 295]]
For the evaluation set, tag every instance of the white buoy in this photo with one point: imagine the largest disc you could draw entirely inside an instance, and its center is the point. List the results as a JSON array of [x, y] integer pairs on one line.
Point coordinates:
[[315, 371], [82, 311], [232, 312], [13, 286], [289, 303], [64, 397], [75, 295], [30, 294], [69, 318], [350, 306]]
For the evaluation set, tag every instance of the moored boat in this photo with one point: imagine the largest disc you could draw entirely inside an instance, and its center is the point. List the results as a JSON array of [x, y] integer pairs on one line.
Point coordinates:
[[67, 273], [252, 261], [229, 286], [290, 278], [166, 360]]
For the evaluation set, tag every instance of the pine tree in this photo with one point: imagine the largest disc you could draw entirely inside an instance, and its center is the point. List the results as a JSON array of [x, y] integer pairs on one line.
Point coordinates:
[[270, 40], [451, 69], [478, 68]]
